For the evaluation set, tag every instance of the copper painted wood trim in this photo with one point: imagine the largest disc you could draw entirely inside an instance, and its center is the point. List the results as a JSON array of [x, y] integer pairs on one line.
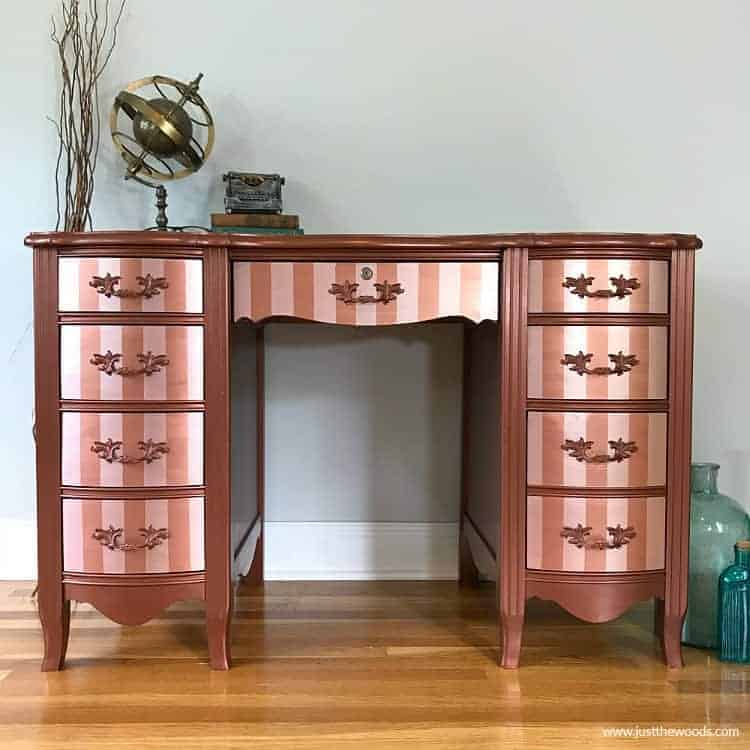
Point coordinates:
[[622, 286], [679, 453], [138, 319], [132, 406], [117, 536], [218, 469], [54, 612], [597, 319], [131, 493], [85, 464], [595, 597], [551, 463], [486, 542], [118, 362], [139, 240], [549, 491], [567, 533], [124, 580], [582, 362], [136, 603], [610, 406], [511, 559], [130, 285], [304, 291]]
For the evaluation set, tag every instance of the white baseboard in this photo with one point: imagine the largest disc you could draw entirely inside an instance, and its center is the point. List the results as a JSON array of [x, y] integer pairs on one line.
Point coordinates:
[[308, 551], [321, 551], [17, 550]]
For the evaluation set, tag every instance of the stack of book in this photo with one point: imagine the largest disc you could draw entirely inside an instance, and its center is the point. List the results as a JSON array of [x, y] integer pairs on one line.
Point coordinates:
[[256, 223]]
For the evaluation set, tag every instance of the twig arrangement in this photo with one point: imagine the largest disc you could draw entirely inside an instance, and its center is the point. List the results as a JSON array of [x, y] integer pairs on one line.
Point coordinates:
[[85, 37]]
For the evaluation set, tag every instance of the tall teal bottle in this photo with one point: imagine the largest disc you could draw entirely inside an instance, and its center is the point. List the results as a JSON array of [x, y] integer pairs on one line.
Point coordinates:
[[716, 523], [734, 607]]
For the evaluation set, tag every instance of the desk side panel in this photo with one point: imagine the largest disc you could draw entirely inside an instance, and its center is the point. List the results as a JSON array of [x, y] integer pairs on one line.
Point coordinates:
[[247, 408], [481, 481]]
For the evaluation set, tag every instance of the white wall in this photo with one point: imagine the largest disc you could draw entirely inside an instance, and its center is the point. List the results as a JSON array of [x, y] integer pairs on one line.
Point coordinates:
[[424, 116]]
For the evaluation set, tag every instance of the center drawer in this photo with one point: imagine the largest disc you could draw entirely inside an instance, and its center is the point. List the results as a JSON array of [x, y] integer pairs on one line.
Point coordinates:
[[366, 293], [138, 363], [115, 449], [133, 536]]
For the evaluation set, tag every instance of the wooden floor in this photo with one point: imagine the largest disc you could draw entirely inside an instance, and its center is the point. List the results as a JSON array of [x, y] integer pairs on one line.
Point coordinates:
[[356, 665]]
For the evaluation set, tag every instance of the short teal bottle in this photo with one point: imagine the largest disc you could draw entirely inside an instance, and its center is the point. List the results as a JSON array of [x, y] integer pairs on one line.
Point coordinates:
[[734, 607], [717, 523]]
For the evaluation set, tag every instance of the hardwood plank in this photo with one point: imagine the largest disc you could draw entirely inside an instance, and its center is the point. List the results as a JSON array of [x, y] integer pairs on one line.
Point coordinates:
[[355, 664]]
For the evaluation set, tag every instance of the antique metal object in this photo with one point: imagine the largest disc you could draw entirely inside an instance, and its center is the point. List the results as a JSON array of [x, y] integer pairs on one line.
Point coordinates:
[[581, 537], [248, 192], [108, 363], [579, 363], [347, 293], [579, 449], [107, 285], [172, 134], [579, 286], [111, 451], [111, 538]]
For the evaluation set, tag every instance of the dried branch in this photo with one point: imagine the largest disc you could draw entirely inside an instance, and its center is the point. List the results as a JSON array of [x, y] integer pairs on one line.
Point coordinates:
[[85, 42]]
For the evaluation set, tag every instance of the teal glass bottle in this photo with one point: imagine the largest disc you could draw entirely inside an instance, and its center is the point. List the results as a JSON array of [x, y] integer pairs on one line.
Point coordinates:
[[734, 607], [716, 523]]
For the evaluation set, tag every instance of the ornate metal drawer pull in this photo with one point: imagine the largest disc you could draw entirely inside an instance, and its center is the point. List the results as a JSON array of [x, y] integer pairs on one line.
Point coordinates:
[[151, 286], [579, 363], [108, 364], [579, 286], [581, 537], [111, 451], [579, 449], [111, 538], [347, 293]]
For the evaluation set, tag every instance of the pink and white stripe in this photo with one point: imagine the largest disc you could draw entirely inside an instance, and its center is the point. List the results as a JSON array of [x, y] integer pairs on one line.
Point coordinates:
[[300, 290], [549, 378], [182, 551], [180, 380], [549, 465], [182, 465], [184, 276], [547, 294], [546, 549]]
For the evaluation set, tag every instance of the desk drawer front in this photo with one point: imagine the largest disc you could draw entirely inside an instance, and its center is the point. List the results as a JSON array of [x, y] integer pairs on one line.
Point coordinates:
[[134, 363], [595, 535], [386, 293], [598, 286], [132, 450], [134, 285], [577, 449], [598, 362], [133, 536]]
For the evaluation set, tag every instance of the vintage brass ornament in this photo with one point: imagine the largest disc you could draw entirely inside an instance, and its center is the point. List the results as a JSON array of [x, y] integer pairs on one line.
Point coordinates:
[[171, 134]]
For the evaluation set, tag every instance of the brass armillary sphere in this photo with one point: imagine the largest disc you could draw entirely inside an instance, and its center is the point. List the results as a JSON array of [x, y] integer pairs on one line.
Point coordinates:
[[172, 133]]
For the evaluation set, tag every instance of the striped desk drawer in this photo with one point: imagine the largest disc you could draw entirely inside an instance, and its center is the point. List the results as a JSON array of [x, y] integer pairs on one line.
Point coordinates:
[[132, 450], [595, 535], [366, 293], [132, 363], [577, 449], [133, 536], [598, 286], [598, 362], [134, 285]]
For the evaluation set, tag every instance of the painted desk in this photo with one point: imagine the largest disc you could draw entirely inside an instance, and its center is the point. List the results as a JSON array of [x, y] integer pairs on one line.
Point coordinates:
[[576, 412]]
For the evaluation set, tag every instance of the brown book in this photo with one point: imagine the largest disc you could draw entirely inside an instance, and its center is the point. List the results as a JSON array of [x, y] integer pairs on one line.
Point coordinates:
[[272, 221]]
